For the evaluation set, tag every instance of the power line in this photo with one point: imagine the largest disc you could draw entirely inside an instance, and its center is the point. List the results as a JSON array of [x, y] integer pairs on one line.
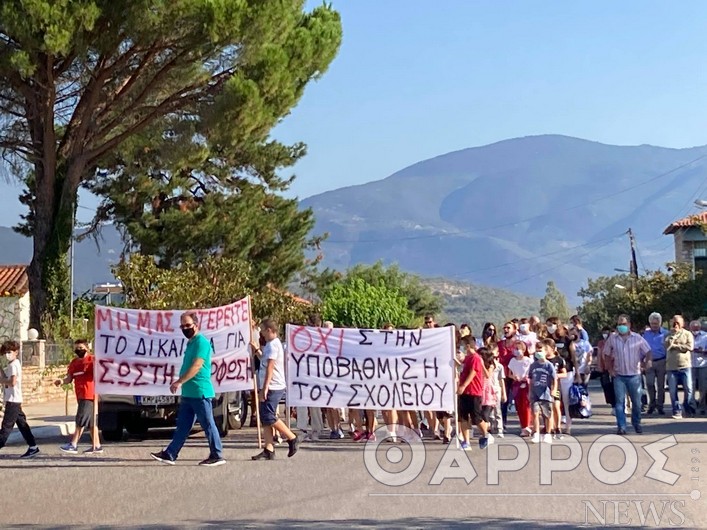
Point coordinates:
[[513, 223], [523, 280], [522, 261]]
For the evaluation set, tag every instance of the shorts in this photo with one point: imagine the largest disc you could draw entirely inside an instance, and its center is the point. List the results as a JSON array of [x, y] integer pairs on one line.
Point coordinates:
[[84, 413], [543, 407], [487, 411], [470, 408], [443, 415], [268, 408]]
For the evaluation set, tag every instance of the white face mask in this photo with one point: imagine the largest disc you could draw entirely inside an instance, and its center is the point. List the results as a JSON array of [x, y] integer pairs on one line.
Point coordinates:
[[605, 335], [551, 329], [524, 328]]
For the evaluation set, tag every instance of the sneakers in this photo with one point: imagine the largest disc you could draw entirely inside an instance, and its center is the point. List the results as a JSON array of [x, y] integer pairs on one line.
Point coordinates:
[[264, 455], [93, 451], [483, 442], [638, 429], [661, 412], [465, 446], [294, 445], [445, 441], [357, 435], [547, 438], [371, 437], [620, 431], [212, 462], [490, 439], [163, 457], [500, 435], [536, 438], [341, 434], [526, 433], [69, 448], [334, 435], [651, 410], [31, 452], [677, 415]]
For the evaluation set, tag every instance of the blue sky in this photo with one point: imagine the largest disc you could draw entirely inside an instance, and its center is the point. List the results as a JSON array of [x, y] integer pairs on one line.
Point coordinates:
[[415, 79]]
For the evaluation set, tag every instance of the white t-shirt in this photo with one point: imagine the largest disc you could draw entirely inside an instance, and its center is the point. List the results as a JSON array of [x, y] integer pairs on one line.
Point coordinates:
[[13, 394], [273, 350], [520, 367], [530, 339]]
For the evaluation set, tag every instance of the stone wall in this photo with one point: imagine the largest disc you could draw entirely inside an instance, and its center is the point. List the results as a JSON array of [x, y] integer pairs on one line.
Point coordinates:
[[38, 384]]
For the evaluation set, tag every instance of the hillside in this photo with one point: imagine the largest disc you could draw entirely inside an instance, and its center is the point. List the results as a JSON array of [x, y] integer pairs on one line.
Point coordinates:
[[516, 213], [477, 304]]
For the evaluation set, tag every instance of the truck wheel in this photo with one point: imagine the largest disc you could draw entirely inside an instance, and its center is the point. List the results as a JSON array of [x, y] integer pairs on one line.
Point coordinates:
[[112, 435], [221, 417], [136, 427]]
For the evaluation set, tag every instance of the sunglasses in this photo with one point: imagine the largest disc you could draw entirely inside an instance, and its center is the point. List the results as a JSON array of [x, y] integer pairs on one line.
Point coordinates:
[[187, 326]]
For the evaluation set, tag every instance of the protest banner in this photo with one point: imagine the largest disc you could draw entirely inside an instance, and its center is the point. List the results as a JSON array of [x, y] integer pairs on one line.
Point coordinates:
[[371, 369], [139, 352]]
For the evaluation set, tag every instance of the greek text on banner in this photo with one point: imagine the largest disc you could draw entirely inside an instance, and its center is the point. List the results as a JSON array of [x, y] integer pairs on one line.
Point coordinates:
[[139, 352], [371, 369]]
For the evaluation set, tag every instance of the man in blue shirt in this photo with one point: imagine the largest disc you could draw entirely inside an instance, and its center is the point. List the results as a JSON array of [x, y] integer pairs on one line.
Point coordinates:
[[655, 375], [197, 393]]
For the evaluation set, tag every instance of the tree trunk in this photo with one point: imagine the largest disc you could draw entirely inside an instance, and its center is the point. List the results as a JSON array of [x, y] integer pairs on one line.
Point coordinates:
[[49, 271]]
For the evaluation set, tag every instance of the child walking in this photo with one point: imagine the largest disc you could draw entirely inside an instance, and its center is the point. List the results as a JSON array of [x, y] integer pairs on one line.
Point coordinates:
[[11, 378], [470, 391], [543, 386]]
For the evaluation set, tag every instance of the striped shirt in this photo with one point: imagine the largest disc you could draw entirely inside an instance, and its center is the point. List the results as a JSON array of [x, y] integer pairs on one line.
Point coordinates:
[[626, 353]]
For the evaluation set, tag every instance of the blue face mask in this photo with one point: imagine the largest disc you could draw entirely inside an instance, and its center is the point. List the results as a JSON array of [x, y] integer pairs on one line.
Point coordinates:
[[623, 329], [540, 356]]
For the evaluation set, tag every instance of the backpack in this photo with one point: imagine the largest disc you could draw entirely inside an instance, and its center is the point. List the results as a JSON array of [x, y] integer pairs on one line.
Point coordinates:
[[580, 404]]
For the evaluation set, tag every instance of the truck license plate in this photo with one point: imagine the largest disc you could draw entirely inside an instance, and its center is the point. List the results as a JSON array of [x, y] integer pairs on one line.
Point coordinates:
[[156, 400]]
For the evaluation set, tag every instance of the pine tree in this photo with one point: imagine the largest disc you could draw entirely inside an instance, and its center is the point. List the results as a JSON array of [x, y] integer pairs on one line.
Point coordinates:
[[79, 78]]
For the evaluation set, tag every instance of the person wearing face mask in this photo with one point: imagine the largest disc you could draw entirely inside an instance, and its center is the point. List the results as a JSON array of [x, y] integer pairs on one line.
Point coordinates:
[[197, 393], [518, 371], [529, 337], [505, 354], [80, 373], [11, 378], [627, 354]]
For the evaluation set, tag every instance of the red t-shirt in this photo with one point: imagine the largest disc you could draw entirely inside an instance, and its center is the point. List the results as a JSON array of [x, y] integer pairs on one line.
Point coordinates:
[[505, 353], [81, 370], [473, 362]]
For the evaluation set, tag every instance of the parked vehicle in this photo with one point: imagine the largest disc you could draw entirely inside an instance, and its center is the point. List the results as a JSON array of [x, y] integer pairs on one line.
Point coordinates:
[[138, 414]]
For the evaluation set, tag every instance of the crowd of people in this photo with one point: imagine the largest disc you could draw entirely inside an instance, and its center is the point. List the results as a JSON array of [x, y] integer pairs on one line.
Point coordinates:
[[534, 370], [530, 369]]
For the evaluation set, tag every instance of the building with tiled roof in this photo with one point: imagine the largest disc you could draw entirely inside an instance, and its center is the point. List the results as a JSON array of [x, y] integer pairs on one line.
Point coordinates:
[[690, 240], [14, 302]]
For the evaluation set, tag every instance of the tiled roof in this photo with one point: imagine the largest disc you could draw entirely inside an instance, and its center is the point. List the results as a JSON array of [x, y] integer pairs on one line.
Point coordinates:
[[13, 280], [687, 222]]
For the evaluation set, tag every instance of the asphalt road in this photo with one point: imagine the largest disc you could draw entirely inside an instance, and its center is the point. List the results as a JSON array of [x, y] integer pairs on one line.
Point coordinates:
[[329, 482]]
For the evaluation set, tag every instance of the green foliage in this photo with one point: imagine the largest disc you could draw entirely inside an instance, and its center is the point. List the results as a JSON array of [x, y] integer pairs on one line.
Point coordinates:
[[84, 85], [667, 293], [477, 304], [356, 303], [420, 298], [211, 282], [554, 303]]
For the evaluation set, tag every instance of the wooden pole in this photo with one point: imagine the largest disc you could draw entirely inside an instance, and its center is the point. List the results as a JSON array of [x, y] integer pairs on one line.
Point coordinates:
[[455, 386], [256, 404], [94, 430]]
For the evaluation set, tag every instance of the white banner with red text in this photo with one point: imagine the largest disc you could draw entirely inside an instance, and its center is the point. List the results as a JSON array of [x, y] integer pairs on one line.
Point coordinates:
[[140, 352], [371, 369]]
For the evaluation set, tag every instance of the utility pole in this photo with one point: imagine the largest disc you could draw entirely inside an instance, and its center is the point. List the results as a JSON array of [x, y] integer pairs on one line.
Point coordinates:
[[634, 264]]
